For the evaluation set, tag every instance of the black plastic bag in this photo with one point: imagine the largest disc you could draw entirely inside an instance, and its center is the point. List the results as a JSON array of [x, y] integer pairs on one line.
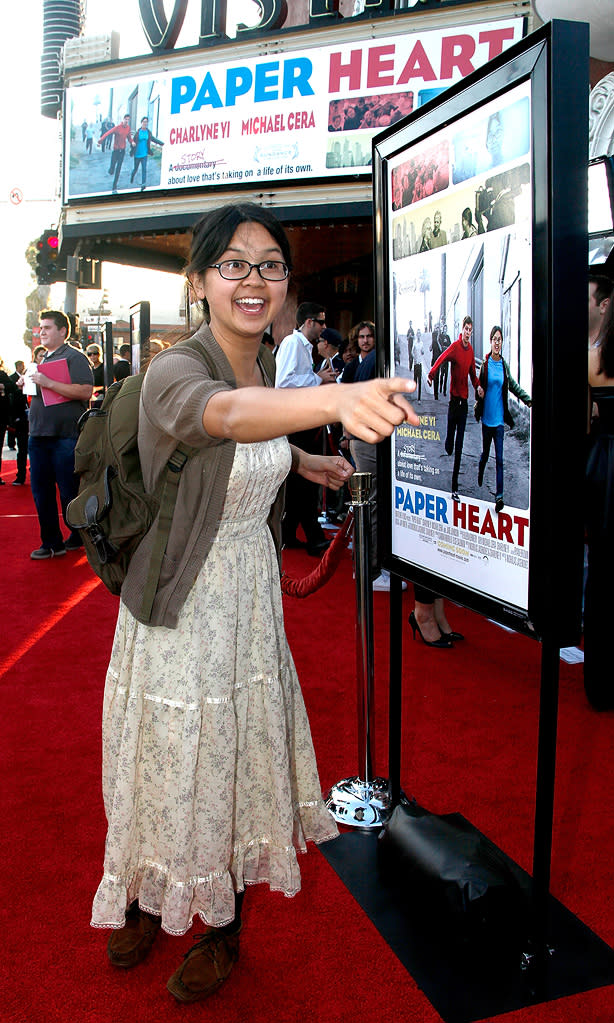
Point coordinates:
[[453, 878]]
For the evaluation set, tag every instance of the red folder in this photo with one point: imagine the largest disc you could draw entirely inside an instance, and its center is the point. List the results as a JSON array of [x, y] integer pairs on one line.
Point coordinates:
[[56, 370]]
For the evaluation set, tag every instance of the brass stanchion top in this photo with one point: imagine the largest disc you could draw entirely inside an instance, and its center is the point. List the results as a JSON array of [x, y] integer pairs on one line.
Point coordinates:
[[360, 487]]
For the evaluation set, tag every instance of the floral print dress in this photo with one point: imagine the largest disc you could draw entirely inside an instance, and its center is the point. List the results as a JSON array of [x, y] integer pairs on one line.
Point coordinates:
[[209, 774]]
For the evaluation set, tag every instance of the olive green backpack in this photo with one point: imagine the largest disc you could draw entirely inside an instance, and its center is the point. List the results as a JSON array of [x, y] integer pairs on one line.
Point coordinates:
[[112, 510]]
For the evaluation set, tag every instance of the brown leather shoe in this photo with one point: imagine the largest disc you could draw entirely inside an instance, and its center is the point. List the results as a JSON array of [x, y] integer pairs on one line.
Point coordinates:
[[130, 944], [205, 966]]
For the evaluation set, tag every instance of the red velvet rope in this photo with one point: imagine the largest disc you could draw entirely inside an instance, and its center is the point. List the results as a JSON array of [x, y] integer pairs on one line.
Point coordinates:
[[327, 566]]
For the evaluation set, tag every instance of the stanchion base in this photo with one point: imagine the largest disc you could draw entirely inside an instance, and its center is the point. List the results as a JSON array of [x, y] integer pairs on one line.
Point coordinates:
[[462, 984], [360, 804]]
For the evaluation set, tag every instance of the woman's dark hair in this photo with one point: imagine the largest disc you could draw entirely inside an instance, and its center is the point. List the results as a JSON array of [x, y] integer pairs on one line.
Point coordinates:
[[606, 341], [494, 331], [212, 234]]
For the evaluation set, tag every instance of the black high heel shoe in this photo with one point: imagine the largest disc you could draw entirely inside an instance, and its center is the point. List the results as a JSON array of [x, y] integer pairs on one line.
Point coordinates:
[[442, 643], [452, 636]]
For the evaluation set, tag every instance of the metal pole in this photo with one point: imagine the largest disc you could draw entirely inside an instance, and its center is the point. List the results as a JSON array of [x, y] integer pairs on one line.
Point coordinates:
[[395, 695], [108, 355], [72, 284], [539, 950], [362, 801], [360, 489]]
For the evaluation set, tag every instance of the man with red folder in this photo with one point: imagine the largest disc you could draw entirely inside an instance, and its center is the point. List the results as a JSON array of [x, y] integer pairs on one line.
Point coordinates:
[[64, 386]]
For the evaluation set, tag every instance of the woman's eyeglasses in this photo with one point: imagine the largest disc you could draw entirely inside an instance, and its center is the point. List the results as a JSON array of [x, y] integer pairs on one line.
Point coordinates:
[[239, 269]]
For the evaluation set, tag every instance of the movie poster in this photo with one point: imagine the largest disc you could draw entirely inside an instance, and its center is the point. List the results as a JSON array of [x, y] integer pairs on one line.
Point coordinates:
[[460, 222], [289, 115]]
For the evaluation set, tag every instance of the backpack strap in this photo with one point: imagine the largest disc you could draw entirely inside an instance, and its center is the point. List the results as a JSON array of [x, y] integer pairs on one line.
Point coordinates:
[[268, 365], [168, 498]]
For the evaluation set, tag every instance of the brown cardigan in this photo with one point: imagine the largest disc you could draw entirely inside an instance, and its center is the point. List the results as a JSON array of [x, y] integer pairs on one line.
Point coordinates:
[[175, 392]]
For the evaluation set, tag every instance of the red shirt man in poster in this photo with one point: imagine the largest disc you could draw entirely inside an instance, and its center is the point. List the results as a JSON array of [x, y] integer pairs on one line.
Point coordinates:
[[121, 134], [462, 365]]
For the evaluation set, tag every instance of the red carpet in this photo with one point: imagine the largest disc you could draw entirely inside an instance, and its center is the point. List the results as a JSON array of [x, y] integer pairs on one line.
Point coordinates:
[[469, 728]]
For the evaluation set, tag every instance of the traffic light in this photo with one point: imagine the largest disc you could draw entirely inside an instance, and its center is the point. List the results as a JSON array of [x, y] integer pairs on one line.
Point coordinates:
[[49, 266]]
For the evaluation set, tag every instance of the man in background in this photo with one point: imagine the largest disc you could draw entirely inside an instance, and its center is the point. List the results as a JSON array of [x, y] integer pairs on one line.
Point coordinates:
[[410, 344], [122, 367], [295, 358], [418, 357], [328, 350], [55, 411], [20, 368], [364, 455], [329, 357], [19, 422], [444, 344]]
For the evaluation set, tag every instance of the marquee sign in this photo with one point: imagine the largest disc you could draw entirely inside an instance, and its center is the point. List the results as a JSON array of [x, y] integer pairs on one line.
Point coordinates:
[[162, 32], [301, 114]]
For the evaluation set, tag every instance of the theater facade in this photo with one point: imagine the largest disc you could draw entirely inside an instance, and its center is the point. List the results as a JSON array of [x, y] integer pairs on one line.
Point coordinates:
[[282, 116]]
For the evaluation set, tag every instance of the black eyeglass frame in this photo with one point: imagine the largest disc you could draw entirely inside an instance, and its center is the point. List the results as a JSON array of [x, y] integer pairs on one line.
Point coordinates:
[[250, 267]]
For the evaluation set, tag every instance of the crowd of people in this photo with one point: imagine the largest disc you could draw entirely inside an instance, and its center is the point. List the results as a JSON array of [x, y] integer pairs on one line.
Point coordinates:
[[419, 178], [369, 111]]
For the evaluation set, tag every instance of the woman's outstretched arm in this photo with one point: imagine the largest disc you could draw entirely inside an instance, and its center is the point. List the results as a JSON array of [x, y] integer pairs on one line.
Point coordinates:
[[369, 410]]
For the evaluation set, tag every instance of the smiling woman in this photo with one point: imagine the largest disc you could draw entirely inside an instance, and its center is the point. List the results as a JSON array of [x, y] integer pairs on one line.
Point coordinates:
[[209, 777], [230, 239]]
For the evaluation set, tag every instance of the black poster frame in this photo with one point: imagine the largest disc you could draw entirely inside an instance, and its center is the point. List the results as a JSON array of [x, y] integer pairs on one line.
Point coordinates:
[[554, 61]]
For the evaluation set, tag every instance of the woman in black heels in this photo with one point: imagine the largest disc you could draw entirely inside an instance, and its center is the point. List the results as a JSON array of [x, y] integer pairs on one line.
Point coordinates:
[[429, 620]]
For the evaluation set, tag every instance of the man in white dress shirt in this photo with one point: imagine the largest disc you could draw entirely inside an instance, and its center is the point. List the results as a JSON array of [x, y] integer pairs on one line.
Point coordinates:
[[295, 358]]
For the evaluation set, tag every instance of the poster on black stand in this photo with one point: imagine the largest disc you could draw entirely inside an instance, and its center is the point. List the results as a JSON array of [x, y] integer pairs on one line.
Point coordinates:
[[481, 257], [481, 220]]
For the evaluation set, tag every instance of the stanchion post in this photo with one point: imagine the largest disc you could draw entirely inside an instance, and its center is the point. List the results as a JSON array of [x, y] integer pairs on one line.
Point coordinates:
[[362, 801], [395, 695], [360, 491]]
